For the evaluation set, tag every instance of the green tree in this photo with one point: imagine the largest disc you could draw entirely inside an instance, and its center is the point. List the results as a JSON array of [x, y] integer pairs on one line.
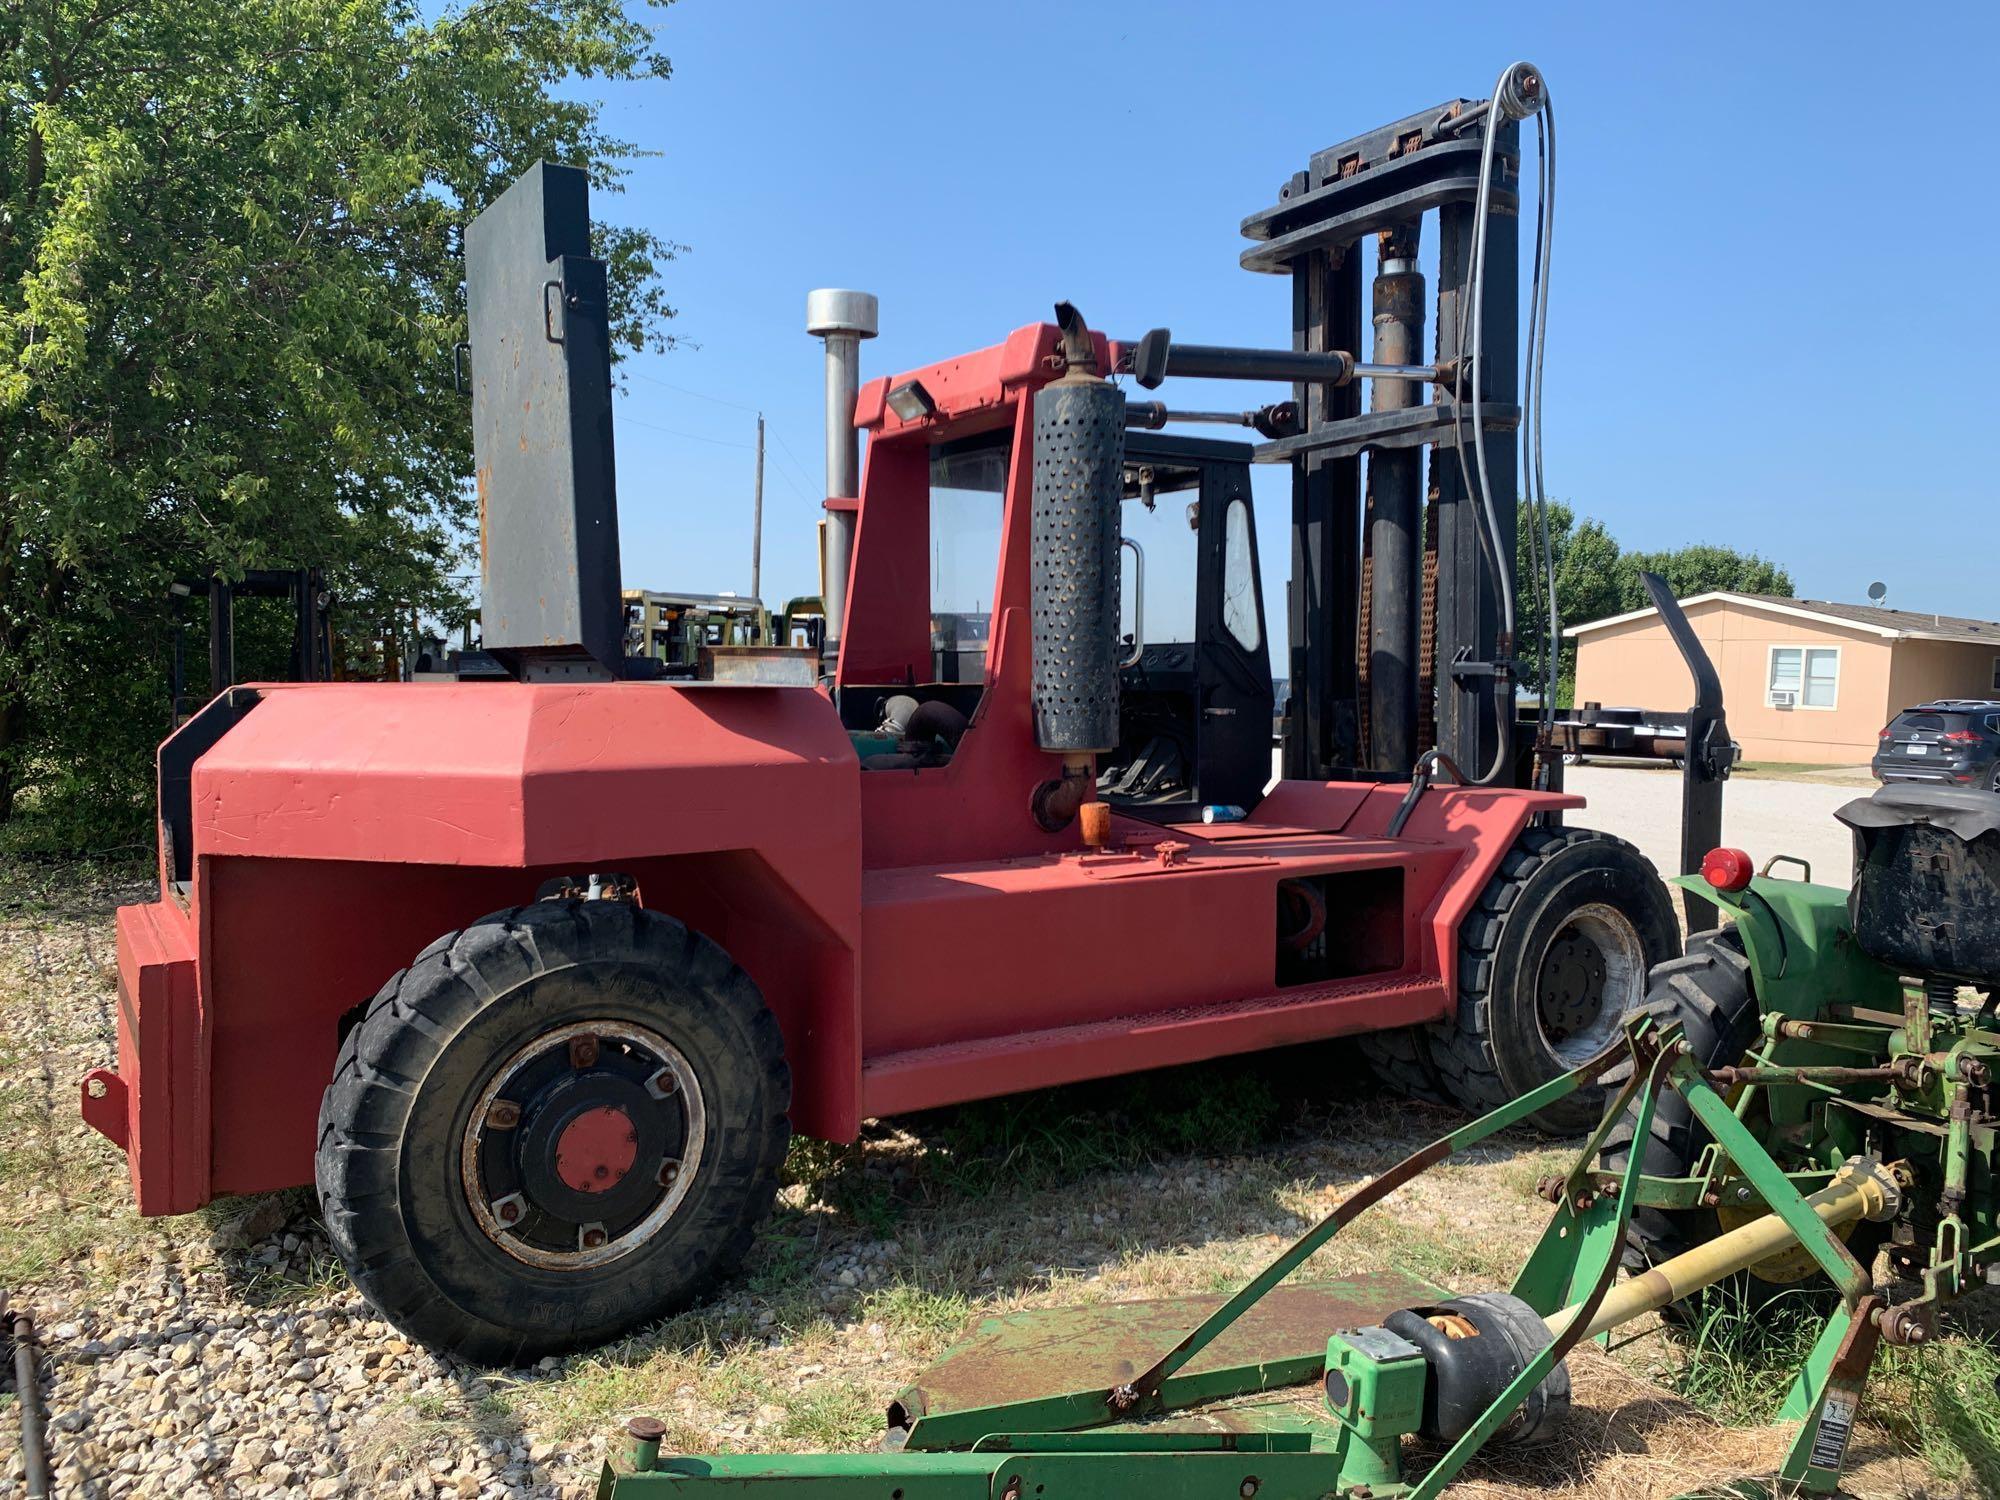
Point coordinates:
[[1700, 569], [229, 293], [1586, 584], [1594, 578]]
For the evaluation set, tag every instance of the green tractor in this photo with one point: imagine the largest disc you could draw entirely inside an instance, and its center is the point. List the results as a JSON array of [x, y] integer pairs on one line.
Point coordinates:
[[1838, 1023], [1806, 1087]]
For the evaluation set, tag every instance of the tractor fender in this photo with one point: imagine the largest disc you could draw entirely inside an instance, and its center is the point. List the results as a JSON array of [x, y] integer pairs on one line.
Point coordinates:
[[1800, 942]]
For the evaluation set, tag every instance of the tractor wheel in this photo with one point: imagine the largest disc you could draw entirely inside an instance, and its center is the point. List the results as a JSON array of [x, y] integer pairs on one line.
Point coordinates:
[[1709, 992], [555, 1126], [1550, 962]]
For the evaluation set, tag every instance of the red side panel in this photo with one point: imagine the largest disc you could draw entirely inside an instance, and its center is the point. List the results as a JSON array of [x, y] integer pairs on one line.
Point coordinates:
[[1164, 952], [340, 828], [155, 1104]]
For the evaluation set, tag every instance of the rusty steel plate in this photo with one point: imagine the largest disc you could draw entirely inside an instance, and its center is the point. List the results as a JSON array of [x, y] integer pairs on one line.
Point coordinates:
[[1025, 1358]]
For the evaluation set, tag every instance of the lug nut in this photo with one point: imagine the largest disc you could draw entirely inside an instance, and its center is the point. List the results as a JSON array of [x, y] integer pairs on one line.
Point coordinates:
[[669, 1171], [583, 1051], [503, 1114]]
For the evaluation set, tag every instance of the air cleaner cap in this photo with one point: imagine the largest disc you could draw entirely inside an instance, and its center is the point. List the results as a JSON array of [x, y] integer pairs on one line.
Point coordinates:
[[837, 310], [1727, 869]]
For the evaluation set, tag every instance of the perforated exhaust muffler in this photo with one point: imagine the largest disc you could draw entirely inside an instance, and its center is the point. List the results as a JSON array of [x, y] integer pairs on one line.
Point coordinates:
[[1076, 529]]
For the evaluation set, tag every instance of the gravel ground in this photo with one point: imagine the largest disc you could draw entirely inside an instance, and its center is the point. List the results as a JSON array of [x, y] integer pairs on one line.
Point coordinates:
[[1762, 814], [225, 1353]]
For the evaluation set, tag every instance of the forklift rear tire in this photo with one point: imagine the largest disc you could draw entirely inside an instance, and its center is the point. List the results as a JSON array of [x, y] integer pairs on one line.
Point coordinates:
[[556, 1125], [1551, 961], [1401, 1058]]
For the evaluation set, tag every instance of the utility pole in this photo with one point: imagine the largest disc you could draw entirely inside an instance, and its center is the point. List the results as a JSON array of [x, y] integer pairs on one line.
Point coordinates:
[[757, 521]]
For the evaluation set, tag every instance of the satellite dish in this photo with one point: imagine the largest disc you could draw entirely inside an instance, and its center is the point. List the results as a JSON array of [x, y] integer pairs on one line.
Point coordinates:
[[1878, 591]]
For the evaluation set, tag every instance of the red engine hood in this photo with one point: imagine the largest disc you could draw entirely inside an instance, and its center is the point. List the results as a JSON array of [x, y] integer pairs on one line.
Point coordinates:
[[516, 775]]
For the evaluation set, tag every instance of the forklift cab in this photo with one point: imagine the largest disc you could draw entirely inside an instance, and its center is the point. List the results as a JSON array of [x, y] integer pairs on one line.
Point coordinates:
[[1195, 700]]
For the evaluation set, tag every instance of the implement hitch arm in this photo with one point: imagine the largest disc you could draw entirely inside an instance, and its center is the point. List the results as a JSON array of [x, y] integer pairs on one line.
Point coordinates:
[[1046, 1445]]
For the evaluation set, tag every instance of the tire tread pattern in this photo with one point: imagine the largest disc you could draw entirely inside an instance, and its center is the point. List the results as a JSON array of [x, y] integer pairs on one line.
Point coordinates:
[[1462, 1048], [383, 1060]]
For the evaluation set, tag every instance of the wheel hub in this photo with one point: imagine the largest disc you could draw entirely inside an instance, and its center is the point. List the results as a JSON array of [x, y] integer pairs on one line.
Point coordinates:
[[1592, 973], [597, 1149], [583, 1144]]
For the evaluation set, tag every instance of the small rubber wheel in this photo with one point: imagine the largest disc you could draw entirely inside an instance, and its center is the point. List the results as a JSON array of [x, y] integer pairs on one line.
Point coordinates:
[[555, 1126], [1710, 992], [1551, 961]]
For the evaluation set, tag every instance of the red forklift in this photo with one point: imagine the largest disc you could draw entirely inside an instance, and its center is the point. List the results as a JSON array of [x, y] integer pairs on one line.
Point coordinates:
[[624, 935]]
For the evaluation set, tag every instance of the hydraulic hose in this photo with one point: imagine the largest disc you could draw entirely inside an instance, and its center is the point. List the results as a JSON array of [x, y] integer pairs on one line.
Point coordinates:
[[1518, 93]]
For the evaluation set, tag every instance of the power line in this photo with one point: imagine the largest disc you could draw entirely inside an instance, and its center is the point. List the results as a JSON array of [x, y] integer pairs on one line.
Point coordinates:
[[788, 449], [676, 432], [798, 485], [685, 391]]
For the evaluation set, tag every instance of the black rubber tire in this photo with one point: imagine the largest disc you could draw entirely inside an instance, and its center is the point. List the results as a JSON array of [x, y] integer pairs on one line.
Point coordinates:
[[1402, 1060], [1494, 1048], [1709, 991], [409, 1073]]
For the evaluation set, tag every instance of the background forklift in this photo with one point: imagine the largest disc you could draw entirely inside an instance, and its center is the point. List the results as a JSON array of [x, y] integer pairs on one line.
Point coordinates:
[[624, 934], [311, 605]]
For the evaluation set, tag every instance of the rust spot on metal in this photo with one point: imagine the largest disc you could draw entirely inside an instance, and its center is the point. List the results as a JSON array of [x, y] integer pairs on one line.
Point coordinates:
[[481, 479], [1452, 1326]]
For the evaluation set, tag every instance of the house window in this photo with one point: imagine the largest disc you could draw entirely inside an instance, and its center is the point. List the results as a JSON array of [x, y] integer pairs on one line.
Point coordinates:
[[1996, 675], [1803, 677]]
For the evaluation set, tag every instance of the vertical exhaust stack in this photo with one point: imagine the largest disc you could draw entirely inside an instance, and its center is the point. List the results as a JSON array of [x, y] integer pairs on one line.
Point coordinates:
[[541, 432], [843, 319], [1076, 530]]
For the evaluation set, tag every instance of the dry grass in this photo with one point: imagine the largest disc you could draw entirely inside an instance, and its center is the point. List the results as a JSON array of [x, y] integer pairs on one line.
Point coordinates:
[[879, 1254]]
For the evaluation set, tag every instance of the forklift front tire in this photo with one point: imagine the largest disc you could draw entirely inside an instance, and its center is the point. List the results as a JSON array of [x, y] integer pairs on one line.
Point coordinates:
[[555, 1126], [1551, 960]]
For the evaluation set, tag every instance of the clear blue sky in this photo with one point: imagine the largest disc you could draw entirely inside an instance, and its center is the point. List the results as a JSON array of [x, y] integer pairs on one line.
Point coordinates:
[[1774, 313]]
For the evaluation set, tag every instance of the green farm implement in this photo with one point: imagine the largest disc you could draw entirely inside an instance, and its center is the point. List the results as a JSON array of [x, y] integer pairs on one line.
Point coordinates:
[[1803, 1091]]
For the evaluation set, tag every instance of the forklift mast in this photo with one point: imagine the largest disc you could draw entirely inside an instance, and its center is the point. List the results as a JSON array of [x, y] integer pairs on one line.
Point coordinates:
[[1396, 620]]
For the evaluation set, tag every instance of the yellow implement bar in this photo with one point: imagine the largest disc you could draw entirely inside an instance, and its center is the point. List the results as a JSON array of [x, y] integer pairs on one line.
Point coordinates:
[[1857, 1193]]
